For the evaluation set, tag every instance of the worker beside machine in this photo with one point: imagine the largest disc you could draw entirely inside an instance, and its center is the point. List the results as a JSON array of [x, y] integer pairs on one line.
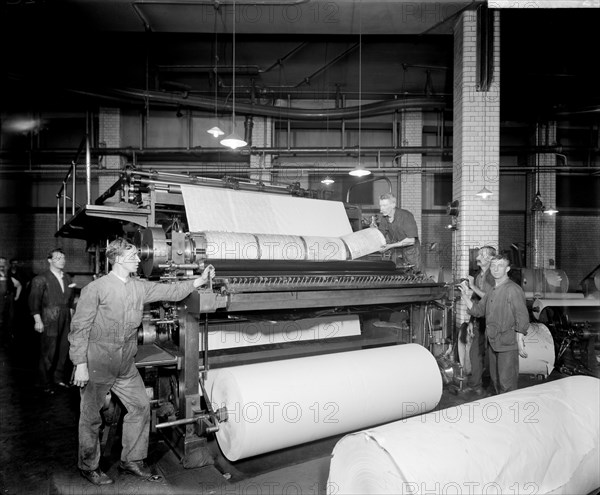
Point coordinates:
[[103, 345], [401, 233], [507, 321]]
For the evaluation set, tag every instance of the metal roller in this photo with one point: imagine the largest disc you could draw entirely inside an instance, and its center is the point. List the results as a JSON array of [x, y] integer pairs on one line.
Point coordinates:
[[153, 249]]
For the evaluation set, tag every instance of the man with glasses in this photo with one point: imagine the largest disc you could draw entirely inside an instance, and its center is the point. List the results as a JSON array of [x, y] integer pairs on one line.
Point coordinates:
[[51, 302]]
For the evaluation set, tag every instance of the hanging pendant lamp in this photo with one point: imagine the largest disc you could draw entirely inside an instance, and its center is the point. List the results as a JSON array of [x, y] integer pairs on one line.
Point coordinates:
[[215, 131], [359, 170], [233, 141]]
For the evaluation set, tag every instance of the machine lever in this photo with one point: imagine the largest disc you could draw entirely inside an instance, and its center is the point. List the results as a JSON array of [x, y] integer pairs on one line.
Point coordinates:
[[179, 422]]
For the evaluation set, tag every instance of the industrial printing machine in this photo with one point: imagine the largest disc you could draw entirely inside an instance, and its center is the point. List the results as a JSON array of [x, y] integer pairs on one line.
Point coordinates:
[[255, 310]]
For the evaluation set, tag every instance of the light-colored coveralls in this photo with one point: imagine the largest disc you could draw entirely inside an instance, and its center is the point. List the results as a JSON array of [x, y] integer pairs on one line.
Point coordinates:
[[104, 335]]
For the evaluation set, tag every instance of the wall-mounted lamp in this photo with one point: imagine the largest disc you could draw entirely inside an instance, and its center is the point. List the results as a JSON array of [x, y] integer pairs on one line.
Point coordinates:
[[453, 225], [453, 211], [485, 193], [327, 181], [538, 205], [452, 208]]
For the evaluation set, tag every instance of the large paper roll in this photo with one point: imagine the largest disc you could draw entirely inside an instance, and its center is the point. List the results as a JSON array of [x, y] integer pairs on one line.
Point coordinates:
[[540, 439], [252, 333], [274, 247], [284, 403]]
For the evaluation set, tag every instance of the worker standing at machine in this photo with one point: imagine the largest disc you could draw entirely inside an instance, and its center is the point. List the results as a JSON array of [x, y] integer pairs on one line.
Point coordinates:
[[401, 233], [507, 321], [481, 285], [103, 344]]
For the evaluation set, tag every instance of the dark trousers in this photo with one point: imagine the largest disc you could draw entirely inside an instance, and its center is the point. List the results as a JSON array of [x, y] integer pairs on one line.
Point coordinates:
[[5, 319], [136, 423], [54, 365], [477, 353], [410, 255], [504, 369]]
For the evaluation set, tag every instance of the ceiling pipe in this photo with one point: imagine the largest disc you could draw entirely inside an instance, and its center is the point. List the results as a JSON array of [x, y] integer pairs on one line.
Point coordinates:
[[307, 79], [245, 70], [242, 167], [216, 3], [279, 61], [368, 110], [226, 171], [373, 179], [397, 152]]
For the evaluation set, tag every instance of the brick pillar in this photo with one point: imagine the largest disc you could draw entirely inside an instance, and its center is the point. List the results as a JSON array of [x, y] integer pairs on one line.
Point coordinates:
[[476, 148], [260, 165], [541, 228], [410, 179], [109, 136]]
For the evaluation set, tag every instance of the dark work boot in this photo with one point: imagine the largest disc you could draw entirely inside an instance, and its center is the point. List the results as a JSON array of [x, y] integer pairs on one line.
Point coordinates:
[[137, 468], [96, 476]]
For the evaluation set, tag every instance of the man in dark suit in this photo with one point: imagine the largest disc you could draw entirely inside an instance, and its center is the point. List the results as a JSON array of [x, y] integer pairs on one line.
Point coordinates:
[[51, 302]]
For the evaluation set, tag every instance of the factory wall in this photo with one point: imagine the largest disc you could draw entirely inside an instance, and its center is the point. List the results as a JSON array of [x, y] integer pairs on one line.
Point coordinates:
[[28, 200], [577, 241]]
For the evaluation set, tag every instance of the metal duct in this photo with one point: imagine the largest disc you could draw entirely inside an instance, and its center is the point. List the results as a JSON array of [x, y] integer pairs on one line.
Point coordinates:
[[194, 102]]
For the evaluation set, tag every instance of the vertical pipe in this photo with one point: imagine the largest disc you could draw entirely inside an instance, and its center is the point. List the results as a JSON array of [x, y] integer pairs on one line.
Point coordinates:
[[205, 339], [57, 212], [401, 129], [248, 127], [73, 183], [88, 162], [97, 260], [64, 200], [534, 220], [289, 130], [93, 139], [142, 139], [395, 129], [343, 137], [443, 122], [106, 263], [190, 124]]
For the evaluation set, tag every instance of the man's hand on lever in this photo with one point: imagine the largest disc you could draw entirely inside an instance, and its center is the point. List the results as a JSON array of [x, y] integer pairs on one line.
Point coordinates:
[[207, 275]]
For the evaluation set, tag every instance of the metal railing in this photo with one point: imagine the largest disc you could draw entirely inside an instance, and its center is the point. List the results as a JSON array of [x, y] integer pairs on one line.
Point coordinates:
[[70, 180]]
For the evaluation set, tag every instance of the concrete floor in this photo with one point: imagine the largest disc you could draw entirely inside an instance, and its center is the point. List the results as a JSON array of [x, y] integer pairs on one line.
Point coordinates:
[[38, 448]]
